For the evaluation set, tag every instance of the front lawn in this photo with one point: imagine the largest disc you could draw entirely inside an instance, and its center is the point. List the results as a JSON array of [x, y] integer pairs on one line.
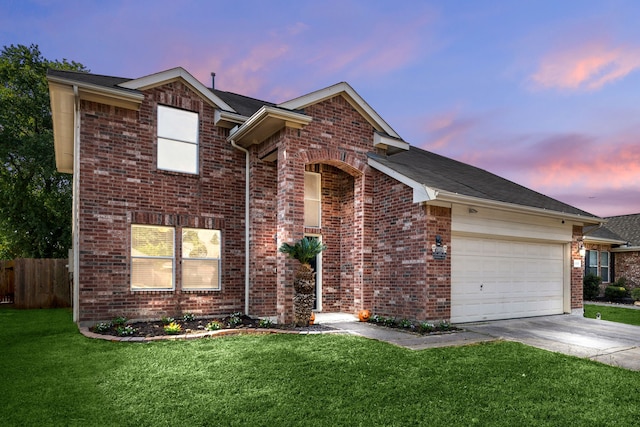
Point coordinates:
[[629, 316], [51, 375]]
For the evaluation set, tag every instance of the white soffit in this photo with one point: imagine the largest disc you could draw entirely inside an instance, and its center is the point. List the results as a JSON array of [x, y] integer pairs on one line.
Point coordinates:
[[62, 101], [351, 96], [421, 193], [163, 77]]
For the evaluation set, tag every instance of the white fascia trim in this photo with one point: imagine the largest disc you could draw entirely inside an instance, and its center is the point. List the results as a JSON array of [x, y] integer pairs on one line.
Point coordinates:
[[511, 207], [172, 74], [421, 193], [626, 249], [384, 141], [122, 94], [603, 240], [228, 116], [264, 112], [356, 100]]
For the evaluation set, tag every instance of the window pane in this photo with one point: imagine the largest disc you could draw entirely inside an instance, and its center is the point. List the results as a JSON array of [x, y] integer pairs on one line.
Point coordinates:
[[177, 124], [312, 199], [151, 241], [200, 274], [177, 156], [200, 243], [604, 259], [151, 273]]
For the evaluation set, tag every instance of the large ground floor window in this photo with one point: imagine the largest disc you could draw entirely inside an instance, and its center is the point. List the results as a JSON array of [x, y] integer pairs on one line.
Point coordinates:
[[154, 258]]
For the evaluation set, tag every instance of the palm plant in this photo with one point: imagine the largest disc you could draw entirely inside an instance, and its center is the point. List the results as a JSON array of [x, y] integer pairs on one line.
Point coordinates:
[[304, 250]]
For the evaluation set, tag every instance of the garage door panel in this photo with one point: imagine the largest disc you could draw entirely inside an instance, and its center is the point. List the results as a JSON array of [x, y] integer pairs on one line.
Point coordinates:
[[500, 279]]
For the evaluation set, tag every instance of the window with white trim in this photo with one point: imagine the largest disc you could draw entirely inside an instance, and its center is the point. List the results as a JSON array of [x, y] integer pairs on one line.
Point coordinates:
[[604, 267], [152, 257], [177, 140], [200, 259], [591, 261], [312, 199]]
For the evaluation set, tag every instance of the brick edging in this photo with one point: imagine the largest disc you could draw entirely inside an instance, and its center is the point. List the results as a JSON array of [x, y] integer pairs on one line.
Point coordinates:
[[84, 330]]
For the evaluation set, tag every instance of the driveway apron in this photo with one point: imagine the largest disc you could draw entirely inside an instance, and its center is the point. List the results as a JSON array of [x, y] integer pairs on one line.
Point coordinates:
[[612, 343]]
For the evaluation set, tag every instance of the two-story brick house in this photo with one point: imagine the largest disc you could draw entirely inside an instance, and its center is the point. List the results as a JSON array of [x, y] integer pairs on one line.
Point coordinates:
[[182, 195]]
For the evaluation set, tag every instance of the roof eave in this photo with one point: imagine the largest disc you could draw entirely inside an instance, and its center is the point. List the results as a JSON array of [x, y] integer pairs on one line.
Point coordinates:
[[445, 196], [266, 122]]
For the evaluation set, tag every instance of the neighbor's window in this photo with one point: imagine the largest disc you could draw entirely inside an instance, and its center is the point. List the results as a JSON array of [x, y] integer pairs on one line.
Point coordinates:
[[152, 257], [312, 199], [177, 140], [604, 267], [200, 259], [592, 262]]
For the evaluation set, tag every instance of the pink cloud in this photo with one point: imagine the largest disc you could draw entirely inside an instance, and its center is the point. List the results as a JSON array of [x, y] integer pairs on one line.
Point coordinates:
[[585, 67]]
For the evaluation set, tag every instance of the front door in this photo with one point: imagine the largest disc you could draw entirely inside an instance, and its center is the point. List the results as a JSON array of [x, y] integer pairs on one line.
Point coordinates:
[[316, 264]]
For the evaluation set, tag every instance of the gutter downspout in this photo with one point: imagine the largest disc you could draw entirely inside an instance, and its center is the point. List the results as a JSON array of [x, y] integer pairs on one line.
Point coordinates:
[[246, 227], [75, 208]]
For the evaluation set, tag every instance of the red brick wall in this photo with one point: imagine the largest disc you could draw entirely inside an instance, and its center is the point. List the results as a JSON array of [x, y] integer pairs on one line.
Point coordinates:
[[399, 241], [627, 265], [577, 274], [120, 185]]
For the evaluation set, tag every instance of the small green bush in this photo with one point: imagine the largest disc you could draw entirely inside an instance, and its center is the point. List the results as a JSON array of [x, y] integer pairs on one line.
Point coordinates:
[[119, 321], [635, 294], [167, 320], [426, 327], [214, 325], [102, 327], [591, 286], [615, 292], [125, 330], [265, 323], [189, 317]]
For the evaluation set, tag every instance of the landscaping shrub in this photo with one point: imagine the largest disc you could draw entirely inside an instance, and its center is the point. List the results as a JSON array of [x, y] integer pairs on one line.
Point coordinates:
[[615, 292], [635, 294], [591, 286]]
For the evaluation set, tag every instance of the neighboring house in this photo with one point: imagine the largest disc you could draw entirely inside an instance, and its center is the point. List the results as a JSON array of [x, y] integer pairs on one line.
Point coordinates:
[[183, 194], [613, 250]]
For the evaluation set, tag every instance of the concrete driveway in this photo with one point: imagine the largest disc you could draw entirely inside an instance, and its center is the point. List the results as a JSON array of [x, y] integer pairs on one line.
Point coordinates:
[[612, 343]]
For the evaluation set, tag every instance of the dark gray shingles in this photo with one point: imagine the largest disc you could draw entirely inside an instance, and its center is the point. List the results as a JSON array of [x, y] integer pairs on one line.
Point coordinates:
[[442, 173], [243, 105], [93, 79], [625, 226]]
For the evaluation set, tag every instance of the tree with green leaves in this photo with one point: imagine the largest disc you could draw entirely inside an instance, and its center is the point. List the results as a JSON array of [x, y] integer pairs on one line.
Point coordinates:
[[35, 200], [304, 250]]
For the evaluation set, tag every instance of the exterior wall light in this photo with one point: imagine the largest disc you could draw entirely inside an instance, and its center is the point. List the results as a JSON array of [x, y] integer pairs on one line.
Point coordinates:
[[581, 249]]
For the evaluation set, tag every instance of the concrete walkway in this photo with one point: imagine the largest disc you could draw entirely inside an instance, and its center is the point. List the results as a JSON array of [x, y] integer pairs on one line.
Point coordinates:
[[612, 343]]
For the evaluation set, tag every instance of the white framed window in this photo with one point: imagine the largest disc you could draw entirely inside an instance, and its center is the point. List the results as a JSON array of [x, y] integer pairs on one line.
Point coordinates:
[[591, 261], [152, 257], [177, 140], [312, 199], [200, 259], [604, 267]]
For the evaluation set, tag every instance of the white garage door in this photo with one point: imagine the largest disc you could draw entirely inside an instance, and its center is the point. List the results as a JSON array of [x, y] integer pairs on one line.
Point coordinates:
[[502, 279]]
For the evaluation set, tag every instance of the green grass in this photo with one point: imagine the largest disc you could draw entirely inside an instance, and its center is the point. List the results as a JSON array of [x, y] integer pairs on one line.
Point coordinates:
[[629, 316], [51, 375]]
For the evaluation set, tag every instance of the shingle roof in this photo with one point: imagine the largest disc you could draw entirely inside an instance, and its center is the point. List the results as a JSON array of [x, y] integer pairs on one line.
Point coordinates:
[[625, 226], [445, 174], [602, 233], [94, 79], [242, 104]]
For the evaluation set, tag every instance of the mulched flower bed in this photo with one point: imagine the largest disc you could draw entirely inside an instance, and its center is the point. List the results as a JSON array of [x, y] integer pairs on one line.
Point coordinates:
[[147, 329]]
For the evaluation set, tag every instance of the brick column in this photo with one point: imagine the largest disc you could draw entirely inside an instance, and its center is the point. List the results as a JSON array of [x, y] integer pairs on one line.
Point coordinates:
[[289, 222], [576, 273]]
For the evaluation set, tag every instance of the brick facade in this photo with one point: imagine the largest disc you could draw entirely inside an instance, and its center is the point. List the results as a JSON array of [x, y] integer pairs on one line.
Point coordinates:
[[627, 265], [378, 254], [120, 185]]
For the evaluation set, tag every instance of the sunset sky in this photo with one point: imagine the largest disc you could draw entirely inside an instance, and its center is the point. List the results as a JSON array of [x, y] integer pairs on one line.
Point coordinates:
[[544, 93]]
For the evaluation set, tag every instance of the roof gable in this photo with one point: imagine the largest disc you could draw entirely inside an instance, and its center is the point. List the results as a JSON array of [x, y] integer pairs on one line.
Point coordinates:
[[625, 226], [345, 90], [174, 74]]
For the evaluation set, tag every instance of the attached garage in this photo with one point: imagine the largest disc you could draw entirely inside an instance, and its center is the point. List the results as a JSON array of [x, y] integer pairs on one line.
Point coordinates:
[[501, 279]]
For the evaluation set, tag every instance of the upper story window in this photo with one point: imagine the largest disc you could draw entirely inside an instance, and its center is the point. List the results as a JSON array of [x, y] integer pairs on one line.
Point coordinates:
[[177, 140], [312, 199]]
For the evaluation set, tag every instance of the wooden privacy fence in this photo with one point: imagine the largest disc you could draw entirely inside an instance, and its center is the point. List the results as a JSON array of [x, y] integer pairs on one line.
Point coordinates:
[[35, 283]]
